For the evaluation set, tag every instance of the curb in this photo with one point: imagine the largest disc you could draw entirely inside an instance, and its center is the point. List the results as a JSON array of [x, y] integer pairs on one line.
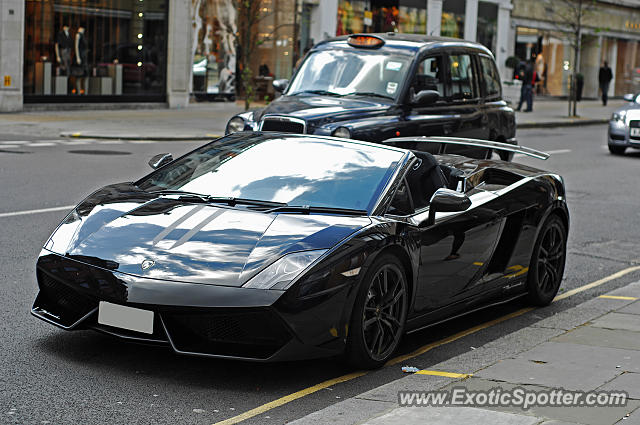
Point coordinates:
[[569, 123], [76, 135], [525, 125]]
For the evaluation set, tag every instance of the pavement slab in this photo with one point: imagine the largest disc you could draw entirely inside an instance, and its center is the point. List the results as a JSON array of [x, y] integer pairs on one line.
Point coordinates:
[[600, 337], [592, 309], [630, 322], [579, 415], [450, 415], [633, 308], [629, 382], [509, 345], [563, 365]]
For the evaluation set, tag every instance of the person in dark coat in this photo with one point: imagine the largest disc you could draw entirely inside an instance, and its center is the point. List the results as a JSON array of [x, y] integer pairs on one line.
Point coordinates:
[[604, 78], [526, 75]]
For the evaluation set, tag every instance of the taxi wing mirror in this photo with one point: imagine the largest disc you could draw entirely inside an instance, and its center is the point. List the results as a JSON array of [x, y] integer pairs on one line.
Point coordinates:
[[425, 97], [159, 160], [280, 85]]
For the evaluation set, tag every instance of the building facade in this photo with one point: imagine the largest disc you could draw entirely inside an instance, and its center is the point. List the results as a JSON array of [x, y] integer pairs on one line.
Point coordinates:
[[611, 33], [123, 51]]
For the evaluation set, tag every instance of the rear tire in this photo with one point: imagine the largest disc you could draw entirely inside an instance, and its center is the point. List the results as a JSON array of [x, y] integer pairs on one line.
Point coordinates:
[[617, 150], [547, 262], [379, 314]]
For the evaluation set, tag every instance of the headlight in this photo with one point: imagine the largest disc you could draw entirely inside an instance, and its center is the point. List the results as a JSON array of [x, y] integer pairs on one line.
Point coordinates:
[[65, 233], [235, 125], [284, 271], [619, 116], [342, 132]]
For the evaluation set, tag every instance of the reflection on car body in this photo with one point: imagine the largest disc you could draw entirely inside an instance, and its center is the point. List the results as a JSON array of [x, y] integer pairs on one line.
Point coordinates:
[[274, 246]]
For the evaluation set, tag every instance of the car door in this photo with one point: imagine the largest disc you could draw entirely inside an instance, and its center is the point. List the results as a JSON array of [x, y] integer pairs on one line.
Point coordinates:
[[437, 119], [454, 253]]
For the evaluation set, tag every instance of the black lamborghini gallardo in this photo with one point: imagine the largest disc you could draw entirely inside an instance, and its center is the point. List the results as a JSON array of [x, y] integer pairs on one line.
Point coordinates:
[[270, 246]]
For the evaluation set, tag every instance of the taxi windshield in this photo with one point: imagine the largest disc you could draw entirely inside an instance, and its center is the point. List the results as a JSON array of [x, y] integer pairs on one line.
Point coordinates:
[[343, 73]]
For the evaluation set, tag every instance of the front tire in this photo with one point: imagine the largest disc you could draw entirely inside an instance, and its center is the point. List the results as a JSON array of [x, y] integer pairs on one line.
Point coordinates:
[[547, 262], [379, 314], [617, 150]]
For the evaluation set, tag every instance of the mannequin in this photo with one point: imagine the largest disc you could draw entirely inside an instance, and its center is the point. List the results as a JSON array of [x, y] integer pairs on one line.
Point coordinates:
[[82, 55], [64, 44]]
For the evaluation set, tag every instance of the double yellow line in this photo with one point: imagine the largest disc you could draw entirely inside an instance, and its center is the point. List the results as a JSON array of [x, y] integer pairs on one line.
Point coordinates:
[[344, 378]]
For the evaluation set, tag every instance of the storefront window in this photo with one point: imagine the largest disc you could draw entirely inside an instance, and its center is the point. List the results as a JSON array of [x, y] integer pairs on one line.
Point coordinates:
[[452, 24], [106, 50], [405, 16], [214, 57]]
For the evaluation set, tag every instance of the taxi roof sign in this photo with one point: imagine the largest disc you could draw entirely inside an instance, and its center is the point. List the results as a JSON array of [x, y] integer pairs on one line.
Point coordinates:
[[365, 40]]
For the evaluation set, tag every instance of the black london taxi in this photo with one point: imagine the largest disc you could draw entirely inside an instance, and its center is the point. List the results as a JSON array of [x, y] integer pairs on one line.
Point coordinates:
[[374, 87]]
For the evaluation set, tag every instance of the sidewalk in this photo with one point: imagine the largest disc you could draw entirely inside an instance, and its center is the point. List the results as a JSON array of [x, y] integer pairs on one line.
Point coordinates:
[[553, 113], [594, 346], [208, 120]]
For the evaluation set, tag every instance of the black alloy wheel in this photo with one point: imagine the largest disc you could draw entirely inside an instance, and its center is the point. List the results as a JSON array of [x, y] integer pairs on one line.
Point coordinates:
[[617, 150], [379, 314], [547, 262]]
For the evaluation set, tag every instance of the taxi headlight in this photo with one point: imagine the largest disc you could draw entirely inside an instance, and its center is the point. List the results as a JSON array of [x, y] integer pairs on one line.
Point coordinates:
[[342, 132], [235, 125]]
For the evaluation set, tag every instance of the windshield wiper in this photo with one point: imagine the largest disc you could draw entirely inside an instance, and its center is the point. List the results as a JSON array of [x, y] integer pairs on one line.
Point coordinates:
[[308, 209], [370, 93], [229, 200], [324, 92]]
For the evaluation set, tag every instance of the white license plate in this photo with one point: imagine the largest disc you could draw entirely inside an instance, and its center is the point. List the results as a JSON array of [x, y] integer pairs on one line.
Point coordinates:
[[120, 316], [634, 132]]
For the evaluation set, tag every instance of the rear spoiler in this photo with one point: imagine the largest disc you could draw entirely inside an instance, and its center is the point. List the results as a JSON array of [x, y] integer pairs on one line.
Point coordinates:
[[469, 142]]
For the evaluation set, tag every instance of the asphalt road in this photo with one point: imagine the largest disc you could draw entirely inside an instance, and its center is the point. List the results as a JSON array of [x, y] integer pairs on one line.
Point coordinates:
[[52, 376]]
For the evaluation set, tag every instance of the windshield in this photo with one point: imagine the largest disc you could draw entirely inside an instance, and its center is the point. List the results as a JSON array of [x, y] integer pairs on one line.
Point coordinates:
[[342, 72], [291, 170]]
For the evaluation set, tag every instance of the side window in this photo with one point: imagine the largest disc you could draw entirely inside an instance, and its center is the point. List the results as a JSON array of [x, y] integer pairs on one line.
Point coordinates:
[[463, 79], [401, 203], [430, 75], [490, 77]]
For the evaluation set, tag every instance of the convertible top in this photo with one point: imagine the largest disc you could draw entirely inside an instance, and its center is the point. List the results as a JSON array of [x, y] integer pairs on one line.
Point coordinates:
[[468, 142]]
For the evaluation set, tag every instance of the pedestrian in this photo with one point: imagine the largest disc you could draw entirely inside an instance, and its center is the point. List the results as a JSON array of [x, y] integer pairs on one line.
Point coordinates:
[[527, 75], [604, 78]]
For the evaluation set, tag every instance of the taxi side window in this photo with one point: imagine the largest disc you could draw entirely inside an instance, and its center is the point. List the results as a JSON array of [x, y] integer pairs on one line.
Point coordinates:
[[490, 77], [430, 75], [463, 80]]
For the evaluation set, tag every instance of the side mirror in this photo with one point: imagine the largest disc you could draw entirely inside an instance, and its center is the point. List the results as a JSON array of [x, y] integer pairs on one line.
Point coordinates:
[[159, 160], [280, 85], [425, 97], [446, 200]]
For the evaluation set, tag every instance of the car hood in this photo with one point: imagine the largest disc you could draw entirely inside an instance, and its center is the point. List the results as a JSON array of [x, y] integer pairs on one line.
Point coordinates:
[[630, 108], [318, 110], [133, 232]]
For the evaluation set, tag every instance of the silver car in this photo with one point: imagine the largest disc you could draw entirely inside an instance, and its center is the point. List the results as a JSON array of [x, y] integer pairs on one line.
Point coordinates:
[[624, 126]]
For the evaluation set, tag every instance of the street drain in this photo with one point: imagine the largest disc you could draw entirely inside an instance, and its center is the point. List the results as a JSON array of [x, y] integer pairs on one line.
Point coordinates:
[[98, 152]]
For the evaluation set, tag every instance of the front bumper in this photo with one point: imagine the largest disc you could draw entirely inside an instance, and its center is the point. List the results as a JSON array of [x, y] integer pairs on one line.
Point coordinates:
[[193, 319], [618, 135]]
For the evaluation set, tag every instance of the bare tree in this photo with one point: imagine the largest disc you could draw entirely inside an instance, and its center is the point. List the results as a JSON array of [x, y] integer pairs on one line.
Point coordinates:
[[569, 17], [249, 16]]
